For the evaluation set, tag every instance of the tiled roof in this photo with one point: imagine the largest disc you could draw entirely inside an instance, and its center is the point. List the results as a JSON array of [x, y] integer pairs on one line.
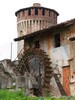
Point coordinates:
[[50, 29]]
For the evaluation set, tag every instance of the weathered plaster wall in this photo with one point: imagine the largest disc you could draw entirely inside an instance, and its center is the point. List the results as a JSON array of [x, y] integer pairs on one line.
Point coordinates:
[[60, 56]]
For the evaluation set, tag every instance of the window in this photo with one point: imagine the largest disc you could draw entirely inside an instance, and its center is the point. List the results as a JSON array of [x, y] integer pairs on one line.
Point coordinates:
[[49, 13], [37, 45], [57, 40], [43, 11], [36, 11], [29, 11]]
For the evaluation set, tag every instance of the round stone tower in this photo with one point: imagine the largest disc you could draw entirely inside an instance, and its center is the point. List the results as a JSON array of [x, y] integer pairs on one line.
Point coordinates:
[[34, 18]]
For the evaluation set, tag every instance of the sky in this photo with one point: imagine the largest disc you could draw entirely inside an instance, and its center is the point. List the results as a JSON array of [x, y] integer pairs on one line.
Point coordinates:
[[8, 21]]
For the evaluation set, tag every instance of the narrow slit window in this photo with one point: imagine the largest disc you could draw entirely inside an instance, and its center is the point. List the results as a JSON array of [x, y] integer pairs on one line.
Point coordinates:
[[57, 40], [37, 45], [49, 13], [36, 11], [29, 11], [43, 11]]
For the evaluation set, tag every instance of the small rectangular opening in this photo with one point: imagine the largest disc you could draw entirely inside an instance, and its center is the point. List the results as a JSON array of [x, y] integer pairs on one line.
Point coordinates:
[[36, 44], [57, 40], [43, 12], [36, 11], [29, 11], [49, 13]]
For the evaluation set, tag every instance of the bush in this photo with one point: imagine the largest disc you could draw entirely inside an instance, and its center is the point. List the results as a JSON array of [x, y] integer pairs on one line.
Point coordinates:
[[11, 95]]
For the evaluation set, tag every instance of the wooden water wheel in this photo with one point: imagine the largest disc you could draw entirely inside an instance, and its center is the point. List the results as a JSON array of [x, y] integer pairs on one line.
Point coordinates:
[[37, 64]]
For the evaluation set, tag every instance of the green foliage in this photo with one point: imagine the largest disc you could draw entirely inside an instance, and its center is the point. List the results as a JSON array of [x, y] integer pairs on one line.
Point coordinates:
[[11, 95], [18, 95], [47, 93], [63, 98]]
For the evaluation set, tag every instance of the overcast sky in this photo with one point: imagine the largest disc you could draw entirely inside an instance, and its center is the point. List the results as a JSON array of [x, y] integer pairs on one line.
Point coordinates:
[[8, 30]]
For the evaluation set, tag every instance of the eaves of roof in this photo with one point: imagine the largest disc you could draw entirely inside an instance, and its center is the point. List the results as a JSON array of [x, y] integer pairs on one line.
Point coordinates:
[[50, 29]]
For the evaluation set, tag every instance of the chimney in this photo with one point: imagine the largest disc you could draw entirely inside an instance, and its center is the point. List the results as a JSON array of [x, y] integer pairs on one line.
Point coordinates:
[[36, 5]]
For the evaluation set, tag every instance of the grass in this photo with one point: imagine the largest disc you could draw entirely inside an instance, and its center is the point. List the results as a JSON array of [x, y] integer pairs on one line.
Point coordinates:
[[18, 95], [14, 95], [11, 95]]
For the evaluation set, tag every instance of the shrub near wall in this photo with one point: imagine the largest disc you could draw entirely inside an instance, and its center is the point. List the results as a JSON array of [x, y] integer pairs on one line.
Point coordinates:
[[14, 95], [11, 95]]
